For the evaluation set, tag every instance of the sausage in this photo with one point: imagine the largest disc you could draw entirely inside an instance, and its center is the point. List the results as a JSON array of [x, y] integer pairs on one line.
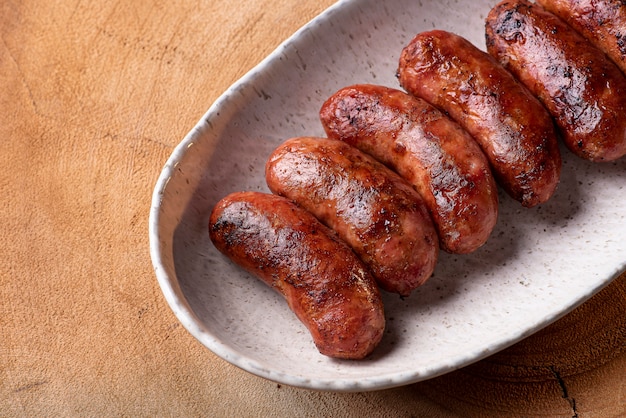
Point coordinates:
[[328, 288], [582, 89], [381, 217], [433, 153], [512, 127], [602, 22]]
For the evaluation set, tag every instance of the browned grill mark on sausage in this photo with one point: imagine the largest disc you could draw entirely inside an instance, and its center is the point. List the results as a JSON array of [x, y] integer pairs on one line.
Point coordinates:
[[512, 127], [374, 210], [328, 288], [433, 153], [581, 88]]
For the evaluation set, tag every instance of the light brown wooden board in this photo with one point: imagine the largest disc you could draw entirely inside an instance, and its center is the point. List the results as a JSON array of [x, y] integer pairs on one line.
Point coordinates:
[[93, 98]]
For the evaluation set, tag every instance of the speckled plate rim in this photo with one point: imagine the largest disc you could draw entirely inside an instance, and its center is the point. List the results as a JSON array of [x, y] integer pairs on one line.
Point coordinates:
[[185, 314]]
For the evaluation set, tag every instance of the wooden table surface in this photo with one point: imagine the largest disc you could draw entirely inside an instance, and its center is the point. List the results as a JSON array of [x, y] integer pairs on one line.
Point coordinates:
[[94, 97]]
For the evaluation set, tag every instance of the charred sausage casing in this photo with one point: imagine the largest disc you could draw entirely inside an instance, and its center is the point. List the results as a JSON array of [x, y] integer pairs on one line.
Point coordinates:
[[381, 217], [602, 22], [583, 90], [328, 288], [433, 153], [511, 126]]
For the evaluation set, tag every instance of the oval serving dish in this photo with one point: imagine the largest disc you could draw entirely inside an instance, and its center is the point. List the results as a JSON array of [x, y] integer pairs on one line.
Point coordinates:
[[538, 265]]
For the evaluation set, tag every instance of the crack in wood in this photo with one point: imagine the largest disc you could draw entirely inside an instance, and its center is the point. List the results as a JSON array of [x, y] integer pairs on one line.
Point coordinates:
[[561, 382], [30, 386]]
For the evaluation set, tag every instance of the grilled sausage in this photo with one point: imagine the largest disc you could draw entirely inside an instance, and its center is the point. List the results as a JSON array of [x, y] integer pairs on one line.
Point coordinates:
[[433, 153], [514, 130], [602, 22], [325, 284], [381, 217], [583, 90]]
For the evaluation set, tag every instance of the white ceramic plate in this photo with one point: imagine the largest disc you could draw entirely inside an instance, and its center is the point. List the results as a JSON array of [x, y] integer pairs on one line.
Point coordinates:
[[539, 263]]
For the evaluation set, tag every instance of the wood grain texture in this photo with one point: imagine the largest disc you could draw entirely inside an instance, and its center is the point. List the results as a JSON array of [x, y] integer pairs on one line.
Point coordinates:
[[95, 95]]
